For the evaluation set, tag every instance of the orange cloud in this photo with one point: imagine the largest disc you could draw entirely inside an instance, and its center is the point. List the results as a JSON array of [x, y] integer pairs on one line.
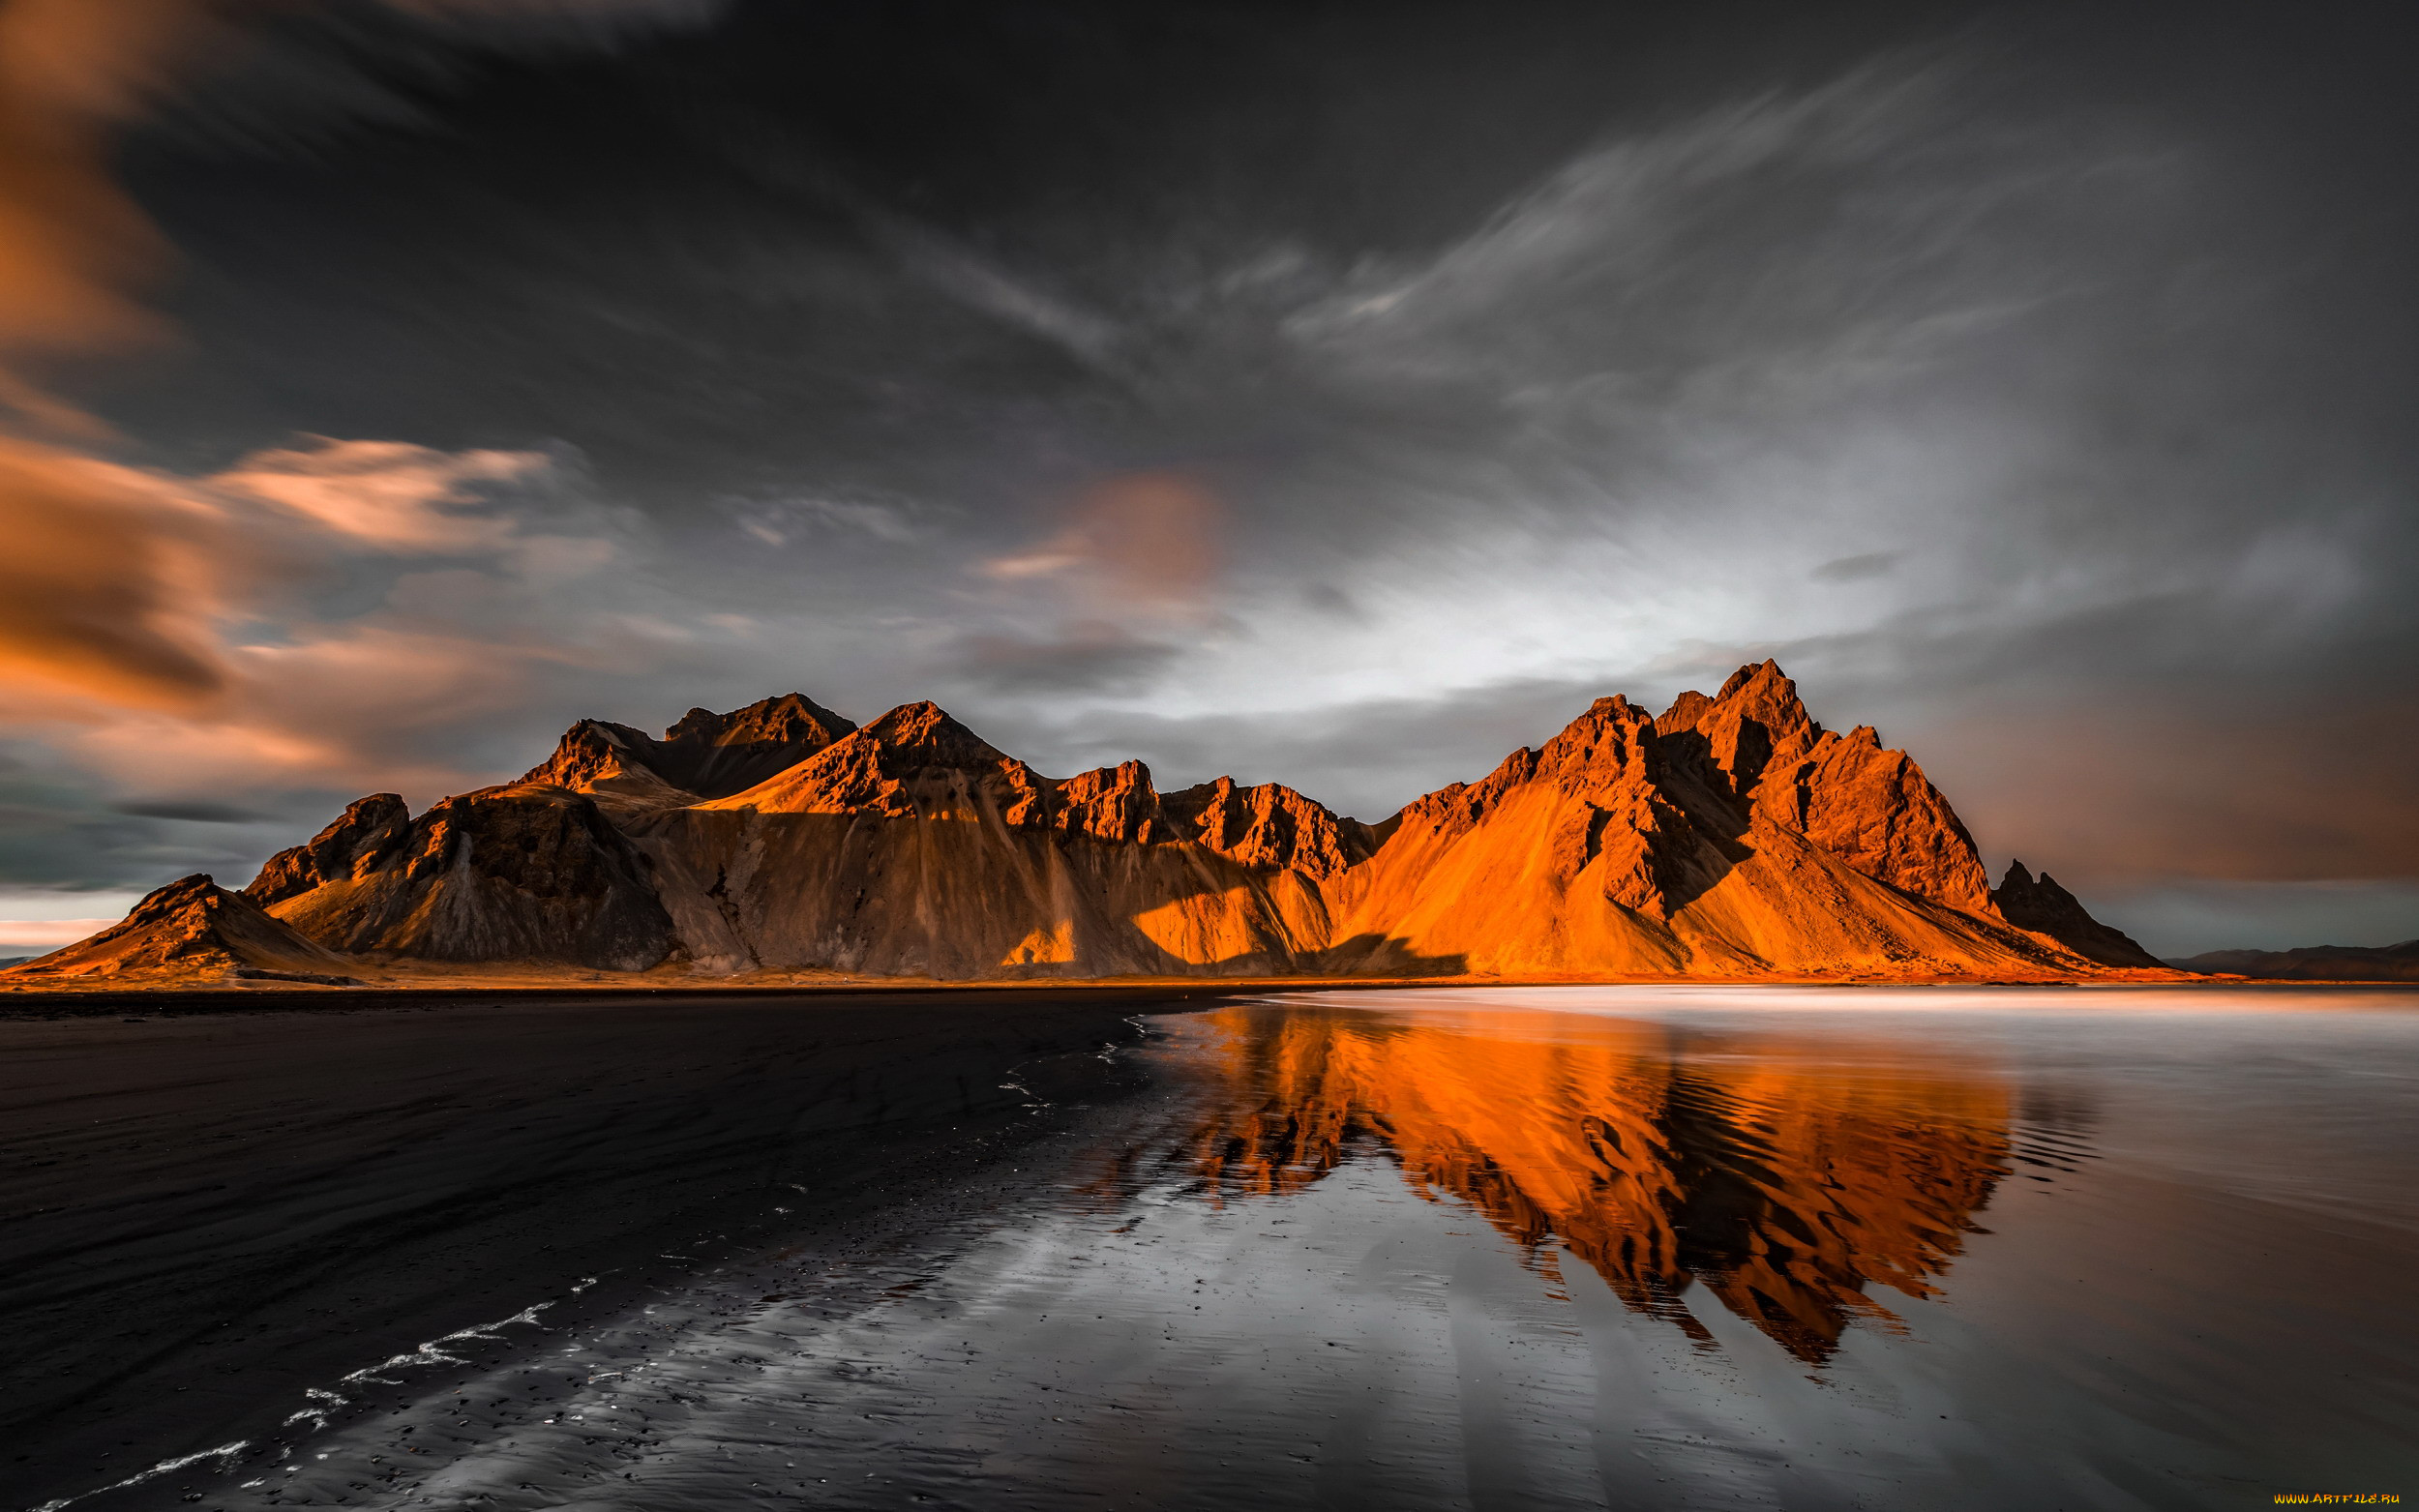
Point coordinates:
[[117, 582], [337, 709], [110, 582], [155, 622], [1145, 542], [72, 243], [387, 494]]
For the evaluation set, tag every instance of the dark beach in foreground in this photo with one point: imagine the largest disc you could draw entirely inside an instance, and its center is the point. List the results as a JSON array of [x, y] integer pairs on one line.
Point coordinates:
[[1677, 1245], [212, 1207]]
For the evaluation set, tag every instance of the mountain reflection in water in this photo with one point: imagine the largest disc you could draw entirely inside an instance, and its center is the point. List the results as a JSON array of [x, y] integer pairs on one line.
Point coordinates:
[[1783, 1182]]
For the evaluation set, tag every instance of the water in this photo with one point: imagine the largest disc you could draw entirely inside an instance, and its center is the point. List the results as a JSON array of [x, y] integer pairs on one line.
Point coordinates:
[[1621, 1247]]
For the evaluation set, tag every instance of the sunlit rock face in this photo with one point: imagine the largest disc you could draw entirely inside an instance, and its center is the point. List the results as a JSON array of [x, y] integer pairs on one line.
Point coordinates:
[[913, 848], [1784, 1188], [1756, 745], [1731, 836]]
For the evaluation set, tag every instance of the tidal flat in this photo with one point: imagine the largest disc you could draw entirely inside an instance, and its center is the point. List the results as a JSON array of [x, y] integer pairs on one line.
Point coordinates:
[[1485, 1248]]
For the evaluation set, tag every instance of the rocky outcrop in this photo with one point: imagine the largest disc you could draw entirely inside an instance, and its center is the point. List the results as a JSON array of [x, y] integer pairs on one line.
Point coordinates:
[[1268, 826], [527, 873], [195, 931], [2314, 963], [1731, 836], [2042, 906], [365, 835]]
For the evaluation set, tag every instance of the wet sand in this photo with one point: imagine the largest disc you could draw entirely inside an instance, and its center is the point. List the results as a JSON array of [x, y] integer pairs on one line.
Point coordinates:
[[206, 1213]]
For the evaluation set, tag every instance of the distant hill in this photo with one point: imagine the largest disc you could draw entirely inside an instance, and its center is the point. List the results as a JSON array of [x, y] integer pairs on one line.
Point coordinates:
[[193, 931], [1731, 836], [2314, 962]]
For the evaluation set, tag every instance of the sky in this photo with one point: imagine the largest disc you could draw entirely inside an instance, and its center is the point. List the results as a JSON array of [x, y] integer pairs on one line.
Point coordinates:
[[1335, 393]]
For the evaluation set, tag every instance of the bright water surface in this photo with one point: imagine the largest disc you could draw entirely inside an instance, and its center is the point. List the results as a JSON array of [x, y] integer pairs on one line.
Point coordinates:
[[1570, 1247]]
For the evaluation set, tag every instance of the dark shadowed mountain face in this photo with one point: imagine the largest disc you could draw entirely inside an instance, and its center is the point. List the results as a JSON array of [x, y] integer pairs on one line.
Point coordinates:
[[1733, 837], [2041, 904]]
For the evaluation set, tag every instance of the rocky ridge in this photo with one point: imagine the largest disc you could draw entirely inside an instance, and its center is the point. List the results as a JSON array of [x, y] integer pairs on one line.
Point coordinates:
[[1730, 836]]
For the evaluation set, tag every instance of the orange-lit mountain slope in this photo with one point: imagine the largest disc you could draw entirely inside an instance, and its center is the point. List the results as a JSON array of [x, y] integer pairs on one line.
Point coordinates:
[[1733, 837], [912, 847]]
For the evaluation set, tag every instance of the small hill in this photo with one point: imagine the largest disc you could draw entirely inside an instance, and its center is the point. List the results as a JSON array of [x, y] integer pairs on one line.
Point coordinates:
[[193, 929]]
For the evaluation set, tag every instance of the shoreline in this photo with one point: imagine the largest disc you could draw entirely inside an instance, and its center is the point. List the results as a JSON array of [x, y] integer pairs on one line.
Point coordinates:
[[179, 998]]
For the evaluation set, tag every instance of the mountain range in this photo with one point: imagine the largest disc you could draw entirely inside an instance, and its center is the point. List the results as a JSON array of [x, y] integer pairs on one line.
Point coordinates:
[[1730, 836]]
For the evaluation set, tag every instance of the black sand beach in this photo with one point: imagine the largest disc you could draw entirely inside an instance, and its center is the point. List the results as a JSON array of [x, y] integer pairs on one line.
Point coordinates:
[[207, 1206]]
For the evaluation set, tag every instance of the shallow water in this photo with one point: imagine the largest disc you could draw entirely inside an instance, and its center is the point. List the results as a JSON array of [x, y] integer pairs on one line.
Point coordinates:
[[1625, 1247]]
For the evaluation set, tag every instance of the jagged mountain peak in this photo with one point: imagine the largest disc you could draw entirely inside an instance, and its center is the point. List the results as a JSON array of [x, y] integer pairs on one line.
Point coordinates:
[[1613, 723], [704, 755], [927, 730], [886, 766], [791, 717], [1268, 825]]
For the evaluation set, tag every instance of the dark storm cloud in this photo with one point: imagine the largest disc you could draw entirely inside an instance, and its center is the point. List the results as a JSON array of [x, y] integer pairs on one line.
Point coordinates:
[[2033, 383], [191, 811], [1856, 569], [1106, 659]]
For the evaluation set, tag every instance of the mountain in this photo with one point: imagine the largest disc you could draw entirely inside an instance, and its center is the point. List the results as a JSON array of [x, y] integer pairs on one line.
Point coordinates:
[[194, 931], [2314, 962], [1731, 836], [2042, 906]]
